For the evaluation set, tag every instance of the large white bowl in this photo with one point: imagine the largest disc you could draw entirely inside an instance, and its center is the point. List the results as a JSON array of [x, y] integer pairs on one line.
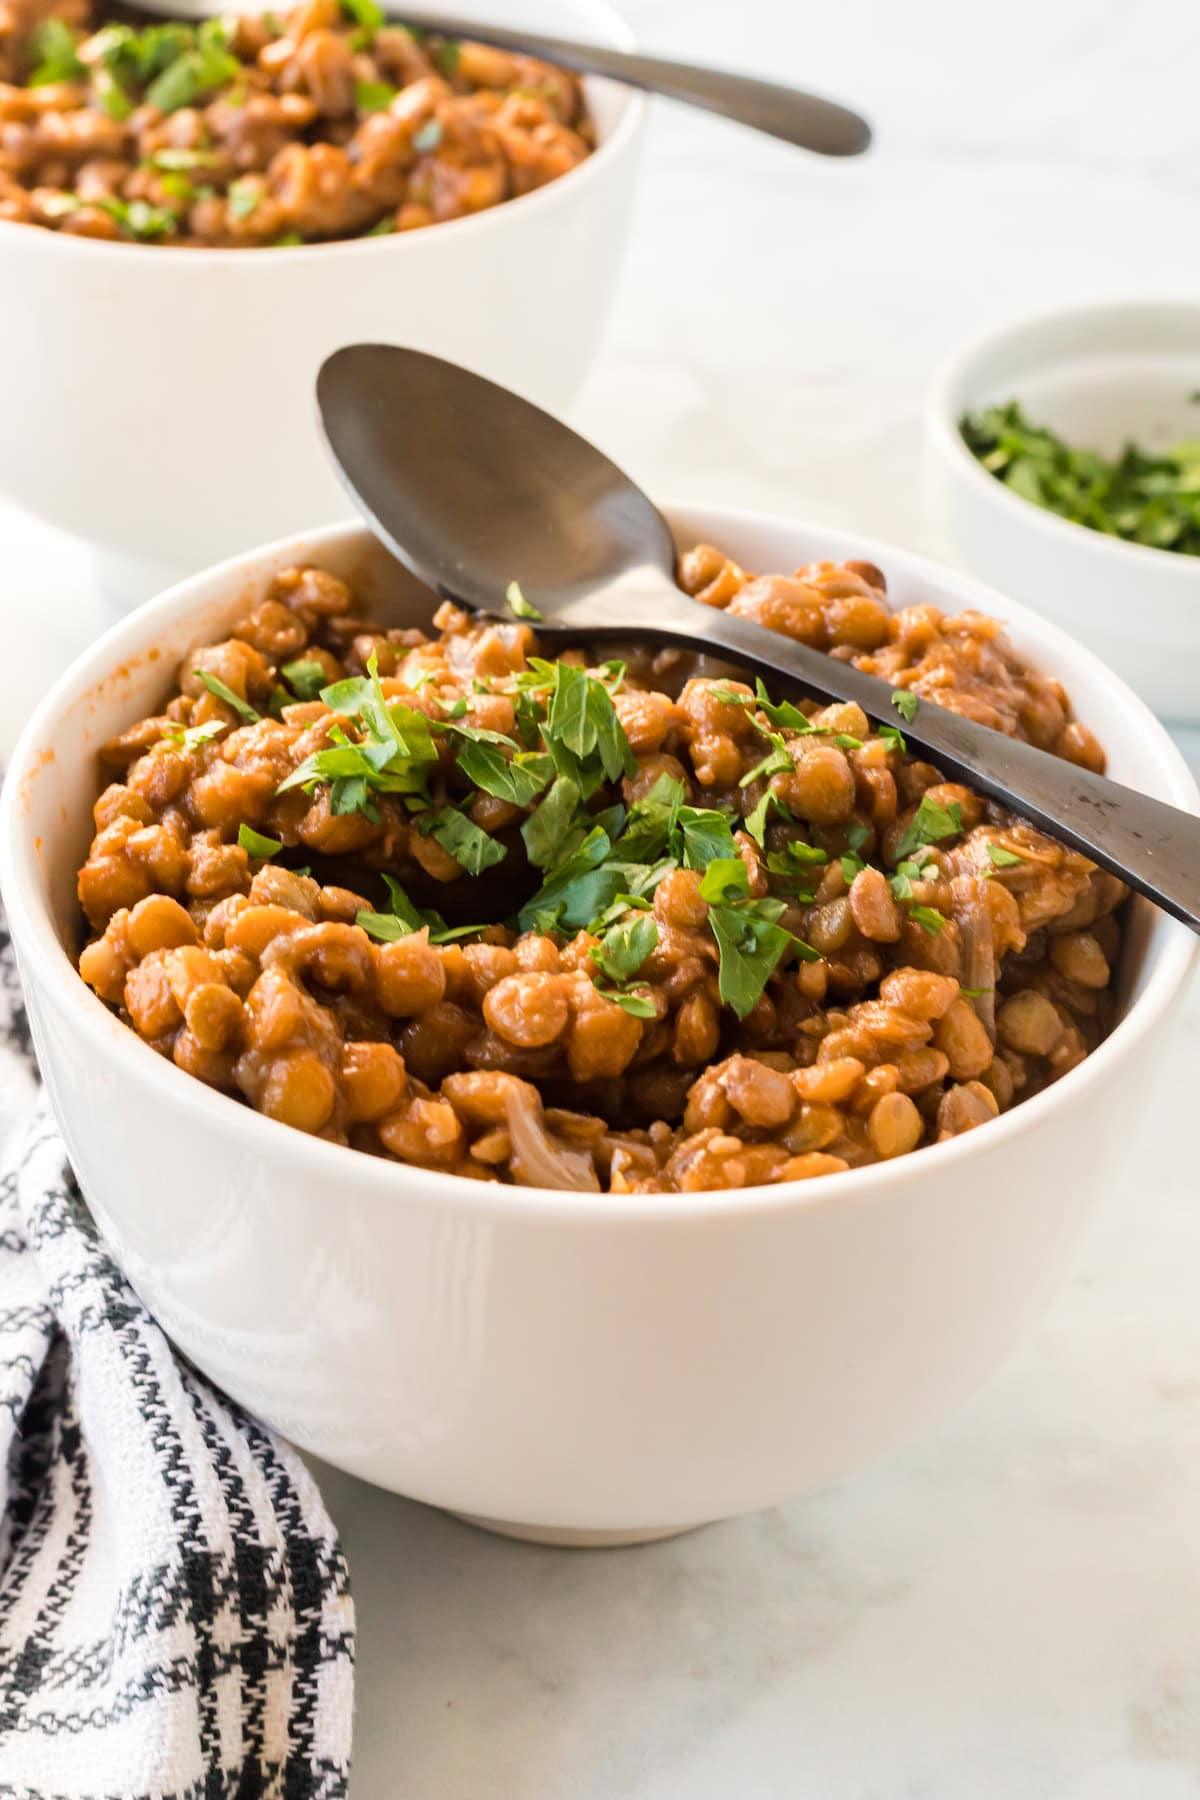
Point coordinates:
[[558, 1362], [159, 403], [1099, 375]]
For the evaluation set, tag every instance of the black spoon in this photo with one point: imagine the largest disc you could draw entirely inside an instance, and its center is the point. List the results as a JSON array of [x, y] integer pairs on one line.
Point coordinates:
[[471, 486]]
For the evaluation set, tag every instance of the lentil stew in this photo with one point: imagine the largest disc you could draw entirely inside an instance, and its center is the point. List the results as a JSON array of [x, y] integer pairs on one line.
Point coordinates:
[[320, 123], [632, 926]]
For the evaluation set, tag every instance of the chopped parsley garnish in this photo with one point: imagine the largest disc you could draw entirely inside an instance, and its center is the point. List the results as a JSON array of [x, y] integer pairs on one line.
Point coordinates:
[[367, 15], [929, 918], [395, 756], [112, 96], [139, 218], [929, 825], [625, 946], [725, 878], [518, 605], [705, 836], [306, 677], [545, 831], [406, 917], [256, 843], [374, 96], [54, 57], [222, 691], [190, 737], [448, 55], [182, 159], [1001, 858], [906, 703], [518, 780], [894, 738], [243, 198], [752, 945], [461, 838], [638, 1005], [206, 64], [1141, 496]]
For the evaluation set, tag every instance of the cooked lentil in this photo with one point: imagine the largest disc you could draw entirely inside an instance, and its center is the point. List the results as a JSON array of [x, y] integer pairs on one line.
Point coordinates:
[[318, 123], [721, 941]]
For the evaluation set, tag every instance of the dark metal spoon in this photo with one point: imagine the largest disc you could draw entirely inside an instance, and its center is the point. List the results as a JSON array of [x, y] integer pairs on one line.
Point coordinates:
[[806, 120], [471, 486]]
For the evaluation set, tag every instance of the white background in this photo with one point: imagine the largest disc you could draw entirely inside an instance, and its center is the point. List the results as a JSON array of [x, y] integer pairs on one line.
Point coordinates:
[[1009, 1610]]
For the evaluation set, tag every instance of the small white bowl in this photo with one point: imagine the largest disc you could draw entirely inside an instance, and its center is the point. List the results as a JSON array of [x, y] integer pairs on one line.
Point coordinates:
[[159, 402], [564, 1365], [1098, 375]]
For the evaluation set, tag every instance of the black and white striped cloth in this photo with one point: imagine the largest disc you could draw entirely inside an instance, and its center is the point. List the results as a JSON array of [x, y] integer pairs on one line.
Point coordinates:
[[175, 1611]]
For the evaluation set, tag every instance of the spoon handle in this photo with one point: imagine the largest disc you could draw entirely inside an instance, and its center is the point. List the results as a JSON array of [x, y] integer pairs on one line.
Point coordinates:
[[1152, 846], [798, 118]]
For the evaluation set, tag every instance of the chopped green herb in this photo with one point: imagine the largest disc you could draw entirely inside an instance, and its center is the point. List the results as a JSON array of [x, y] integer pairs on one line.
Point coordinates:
[[53, 53], [546, 829], [518, 605], [929, 918], [1002, 858], [751, 947], [139, 218], [59, 206], [894, 738], [306, 677], [906, 703], [804, 856], [639, 1006], [192, 736], [975, 993], [243, 198], [852, 865], [196, 72], [405, 918], [114, 101], [625, 947], [519, 779], [222, 691], [583, 722], [287, 240], [612, 674], [1139, 495], [182, 159], [448, 55], [725, 878], [367, 15], [256, 843], [705, 836], [461, 839], [374, 96], [428, 137], [929, 825]]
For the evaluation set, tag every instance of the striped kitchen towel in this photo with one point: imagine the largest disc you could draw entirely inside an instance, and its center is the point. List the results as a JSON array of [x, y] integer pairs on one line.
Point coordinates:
[[175, 1611]]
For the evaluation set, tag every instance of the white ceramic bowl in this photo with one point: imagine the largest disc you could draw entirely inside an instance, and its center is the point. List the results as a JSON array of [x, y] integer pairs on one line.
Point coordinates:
[[1098, 375], [557, 1362], [159, 403]]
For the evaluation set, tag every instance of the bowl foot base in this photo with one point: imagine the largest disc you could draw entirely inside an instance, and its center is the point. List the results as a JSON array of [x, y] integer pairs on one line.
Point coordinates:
[[566, 1538]]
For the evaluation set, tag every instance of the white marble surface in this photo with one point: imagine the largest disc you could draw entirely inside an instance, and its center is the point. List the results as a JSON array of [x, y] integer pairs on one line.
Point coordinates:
[[1010, 1610]]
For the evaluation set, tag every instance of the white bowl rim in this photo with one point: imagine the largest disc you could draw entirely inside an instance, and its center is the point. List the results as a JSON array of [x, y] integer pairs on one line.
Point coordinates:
[[636, 101], [49, 965], [942, 415]]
